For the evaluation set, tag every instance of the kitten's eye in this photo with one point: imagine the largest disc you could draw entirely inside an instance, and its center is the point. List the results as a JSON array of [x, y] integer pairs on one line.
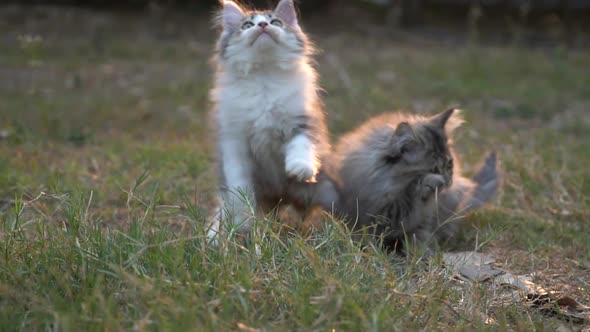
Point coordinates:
[[247, 25], [276, 22]]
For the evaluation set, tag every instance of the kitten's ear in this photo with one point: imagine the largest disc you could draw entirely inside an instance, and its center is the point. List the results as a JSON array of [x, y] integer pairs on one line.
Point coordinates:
[[286, 11], [403, 134], [404, 130], [448, 120], [231, 15], [404, 143]]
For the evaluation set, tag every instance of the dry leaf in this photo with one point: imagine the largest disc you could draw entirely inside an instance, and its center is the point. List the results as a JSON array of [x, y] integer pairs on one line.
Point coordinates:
[[563, 328], [564, 306], [471, 266], [458, 259], [479, 273]]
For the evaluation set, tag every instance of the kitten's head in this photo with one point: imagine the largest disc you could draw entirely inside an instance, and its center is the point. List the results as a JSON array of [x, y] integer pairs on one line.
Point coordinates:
[[422, 147], [260, 38]]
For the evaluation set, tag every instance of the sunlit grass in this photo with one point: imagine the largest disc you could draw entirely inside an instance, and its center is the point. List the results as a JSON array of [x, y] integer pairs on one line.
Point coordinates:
[[105, 154]]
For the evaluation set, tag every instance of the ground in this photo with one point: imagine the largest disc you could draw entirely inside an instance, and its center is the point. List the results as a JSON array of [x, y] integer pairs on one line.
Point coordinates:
[[106, 175]]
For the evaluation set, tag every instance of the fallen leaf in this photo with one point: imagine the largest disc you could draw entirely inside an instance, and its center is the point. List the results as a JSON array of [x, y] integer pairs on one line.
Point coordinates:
[[563, 328], [522, 282], [479, 273], [471, 266], [565, 307], [458, 259]]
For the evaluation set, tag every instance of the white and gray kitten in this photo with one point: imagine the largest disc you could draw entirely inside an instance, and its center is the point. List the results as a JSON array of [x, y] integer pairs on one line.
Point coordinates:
[[399, 178], [271, 133]]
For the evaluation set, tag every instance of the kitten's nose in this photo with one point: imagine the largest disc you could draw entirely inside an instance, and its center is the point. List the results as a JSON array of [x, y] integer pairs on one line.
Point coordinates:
[[262, 24]]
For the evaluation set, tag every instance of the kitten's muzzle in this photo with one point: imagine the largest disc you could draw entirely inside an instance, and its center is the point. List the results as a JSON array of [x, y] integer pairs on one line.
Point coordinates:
[[263, 31]]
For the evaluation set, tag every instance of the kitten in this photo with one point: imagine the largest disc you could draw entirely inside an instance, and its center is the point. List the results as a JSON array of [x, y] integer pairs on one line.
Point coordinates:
[[399, 177], [271, 133]]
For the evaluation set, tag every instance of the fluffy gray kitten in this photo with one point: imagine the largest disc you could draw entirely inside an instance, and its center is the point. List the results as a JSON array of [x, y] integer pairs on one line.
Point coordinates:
[[271, 133], [399, 178]]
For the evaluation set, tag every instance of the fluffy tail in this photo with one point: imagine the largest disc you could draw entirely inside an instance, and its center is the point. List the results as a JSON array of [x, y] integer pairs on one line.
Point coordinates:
[[466, 195], [487, 182]]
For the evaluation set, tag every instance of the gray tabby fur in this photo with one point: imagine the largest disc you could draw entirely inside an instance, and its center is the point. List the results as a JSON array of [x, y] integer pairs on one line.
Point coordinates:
[[400, 178]]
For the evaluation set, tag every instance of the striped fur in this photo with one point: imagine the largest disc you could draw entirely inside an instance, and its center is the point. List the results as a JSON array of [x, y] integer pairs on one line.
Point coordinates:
[[400, 178]]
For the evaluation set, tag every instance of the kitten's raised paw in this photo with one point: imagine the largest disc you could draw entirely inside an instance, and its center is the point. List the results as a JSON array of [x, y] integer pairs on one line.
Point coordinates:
[[300, 169], [430, 184]]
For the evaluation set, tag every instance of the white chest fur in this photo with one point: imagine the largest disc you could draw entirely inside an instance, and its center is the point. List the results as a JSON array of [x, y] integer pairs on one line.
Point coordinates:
[[261, 107]]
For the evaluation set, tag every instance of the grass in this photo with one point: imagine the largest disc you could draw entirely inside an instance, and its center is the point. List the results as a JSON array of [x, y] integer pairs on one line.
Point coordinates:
[[106, 156]]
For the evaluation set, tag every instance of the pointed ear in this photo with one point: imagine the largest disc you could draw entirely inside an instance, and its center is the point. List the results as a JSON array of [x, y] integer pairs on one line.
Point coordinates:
[[286, 11], [448, 120], [231, 15], [402, 134], [404, 130], [403, 143]]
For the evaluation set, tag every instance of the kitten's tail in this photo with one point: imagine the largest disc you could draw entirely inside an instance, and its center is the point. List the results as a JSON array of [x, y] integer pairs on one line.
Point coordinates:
[[466, 195], [487, 182]]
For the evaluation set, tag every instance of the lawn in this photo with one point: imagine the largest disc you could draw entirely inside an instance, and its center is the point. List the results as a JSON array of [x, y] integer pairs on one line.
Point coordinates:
[[106, 175]]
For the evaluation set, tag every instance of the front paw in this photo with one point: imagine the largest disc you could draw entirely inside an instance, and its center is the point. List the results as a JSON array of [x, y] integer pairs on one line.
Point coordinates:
[[300, 169], [431, 184]]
